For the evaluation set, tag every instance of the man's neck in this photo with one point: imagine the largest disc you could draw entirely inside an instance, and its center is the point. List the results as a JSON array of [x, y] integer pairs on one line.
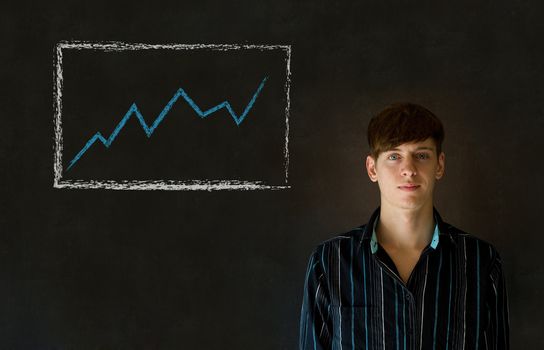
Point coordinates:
[[403, 229]]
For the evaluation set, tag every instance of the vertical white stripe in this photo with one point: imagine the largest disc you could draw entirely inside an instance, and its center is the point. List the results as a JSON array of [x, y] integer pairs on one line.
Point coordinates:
[[316, 296], [496, 309], [383, 312], [322, 328], [423, 304], [465, 298], [339, 297]]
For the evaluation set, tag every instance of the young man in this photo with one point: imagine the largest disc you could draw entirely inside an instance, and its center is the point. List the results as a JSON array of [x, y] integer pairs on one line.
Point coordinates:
[[406, 279]]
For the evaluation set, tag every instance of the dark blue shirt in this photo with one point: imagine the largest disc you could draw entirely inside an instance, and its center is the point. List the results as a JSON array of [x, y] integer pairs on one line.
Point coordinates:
[[455, 297]]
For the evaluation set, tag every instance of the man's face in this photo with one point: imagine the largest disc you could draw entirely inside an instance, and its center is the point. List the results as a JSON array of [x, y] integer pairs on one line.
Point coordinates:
[[407, 173]]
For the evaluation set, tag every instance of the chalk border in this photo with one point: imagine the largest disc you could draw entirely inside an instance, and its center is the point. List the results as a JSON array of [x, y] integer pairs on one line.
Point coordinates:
[[168, 185]]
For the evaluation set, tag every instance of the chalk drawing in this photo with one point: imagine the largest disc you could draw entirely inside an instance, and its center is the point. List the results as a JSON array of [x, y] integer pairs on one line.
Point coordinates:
[[196, 184]]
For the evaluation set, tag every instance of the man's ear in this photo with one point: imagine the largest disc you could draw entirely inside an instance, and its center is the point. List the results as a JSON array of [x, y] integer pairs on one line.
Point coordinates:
[[440, 170], [371, 168]]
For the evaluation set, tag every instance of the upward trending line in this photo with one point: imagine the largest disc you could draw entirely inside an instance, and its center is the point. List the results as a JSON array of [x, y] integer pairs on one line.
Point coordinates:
[[133, 110]]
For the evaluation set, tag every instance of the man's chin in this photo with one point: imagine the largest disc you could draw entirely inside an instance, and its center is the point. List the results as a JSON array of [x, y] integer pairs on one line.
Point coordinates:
[[409, 204]]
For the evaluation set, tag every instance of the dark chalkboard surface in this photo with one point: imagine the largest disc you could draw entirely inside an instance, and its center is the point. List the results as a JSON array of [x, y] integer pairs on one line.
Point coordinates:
[[187, 267]]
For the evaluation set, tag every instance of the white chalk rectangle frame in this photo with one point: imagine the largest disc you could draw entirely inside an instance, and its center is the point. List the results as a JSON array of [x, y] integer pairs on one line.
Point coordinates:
[[172, 185]]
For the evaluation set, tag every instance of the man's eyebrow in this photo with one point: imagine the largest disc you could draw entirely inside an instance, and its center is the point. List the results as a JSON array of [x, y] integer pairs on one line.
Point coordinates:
[[417, 149]]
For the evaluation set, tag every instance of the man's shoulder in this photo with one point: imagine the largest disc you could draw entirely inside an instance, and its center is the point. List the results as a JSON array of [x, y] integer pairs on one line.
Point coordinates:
[[470, 244], [352, 236]]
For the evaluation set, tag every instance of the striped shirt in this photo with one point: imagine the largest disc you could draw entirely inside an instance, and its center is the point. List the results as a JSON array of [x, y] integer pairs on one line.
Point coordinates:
[[354, 298]]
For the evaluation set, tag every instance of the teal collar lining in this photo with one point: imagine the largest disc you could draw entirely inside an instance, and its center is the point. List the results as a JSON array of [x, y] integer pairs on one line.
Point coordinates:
[[374, 240]]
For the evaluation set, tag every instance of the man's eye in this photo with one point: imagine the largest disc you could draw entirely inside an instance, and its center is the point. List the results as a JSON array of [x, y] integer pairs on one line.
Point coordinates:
[[422, 156], [393, 157]]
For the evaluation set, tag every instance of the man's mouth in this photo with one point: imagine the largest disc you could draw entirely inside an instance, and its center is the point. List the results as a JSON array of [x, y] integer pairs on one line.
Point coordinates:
[[410, 187]]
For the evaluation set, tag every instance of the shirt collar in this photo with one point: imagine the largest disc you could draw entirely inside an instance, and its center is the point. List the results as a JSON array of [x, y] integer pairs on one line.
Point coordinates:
[[374, 240]]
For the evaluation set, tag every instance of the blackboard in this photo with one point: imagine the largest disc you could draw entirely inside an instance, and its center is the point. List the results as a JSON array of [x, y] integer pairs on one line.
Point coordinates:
[[216, 257]]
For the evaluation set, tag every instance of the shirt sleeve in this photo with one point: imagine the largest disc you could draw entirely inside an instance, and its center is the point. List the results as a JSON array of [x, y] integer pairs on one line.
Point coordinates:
[[315, 321], [497, 334]]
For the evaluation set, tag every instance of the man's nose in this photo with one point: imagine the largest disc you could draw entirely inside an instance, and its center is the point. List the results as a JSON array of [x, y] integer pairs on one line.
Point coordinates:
[[408, 168]]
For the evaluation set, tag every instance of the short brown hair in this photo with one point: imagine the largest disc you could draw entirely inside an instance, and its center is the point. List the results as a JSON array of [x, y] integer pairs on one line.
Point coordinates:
[[401, 123]]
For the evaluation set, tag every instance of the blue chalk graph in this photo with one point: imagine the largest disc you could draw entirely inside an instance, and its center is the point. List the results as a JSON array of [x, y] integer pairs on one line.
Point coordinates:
[[133, 110]]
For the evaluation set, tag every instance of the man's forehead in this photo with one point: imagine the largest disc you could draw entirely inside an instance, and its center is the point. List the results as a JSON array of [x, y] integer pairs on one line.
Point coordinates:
[[415, 146]]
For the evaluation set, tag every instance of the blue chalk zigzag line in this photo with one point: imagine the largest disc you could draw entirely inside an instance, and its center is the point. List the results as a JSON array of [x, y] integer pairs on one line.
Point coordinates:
[[149, 130]]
